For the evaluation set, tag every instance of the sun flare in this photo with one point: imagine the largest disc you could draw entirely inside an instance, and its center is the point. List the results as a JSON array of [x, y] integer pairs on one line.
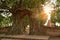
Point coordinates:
[[48, 8]]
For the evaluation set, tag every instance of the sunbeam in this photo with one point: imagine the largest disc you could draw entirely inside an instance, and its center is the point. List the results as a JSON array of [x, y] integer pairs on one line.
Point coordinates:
[[48, 8]]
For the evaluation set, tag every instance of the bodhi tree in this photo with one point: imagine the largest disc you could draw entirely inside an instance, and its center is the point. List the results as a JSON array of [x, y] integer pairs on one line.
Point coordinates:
[[24, 10]]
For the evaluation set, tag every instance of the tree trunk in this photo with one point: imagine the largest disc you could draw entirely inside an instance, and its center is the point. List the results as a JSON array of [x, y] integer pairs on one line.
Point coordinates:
[[18, 22]]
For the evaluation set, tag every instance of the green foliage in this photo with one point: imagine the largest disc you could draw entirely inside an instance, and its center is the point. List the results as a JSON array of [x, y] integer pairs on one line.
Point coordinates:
[[26, 20], [56, 16], [8, 3], [28, 4], [5, 21], [31, 3]]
